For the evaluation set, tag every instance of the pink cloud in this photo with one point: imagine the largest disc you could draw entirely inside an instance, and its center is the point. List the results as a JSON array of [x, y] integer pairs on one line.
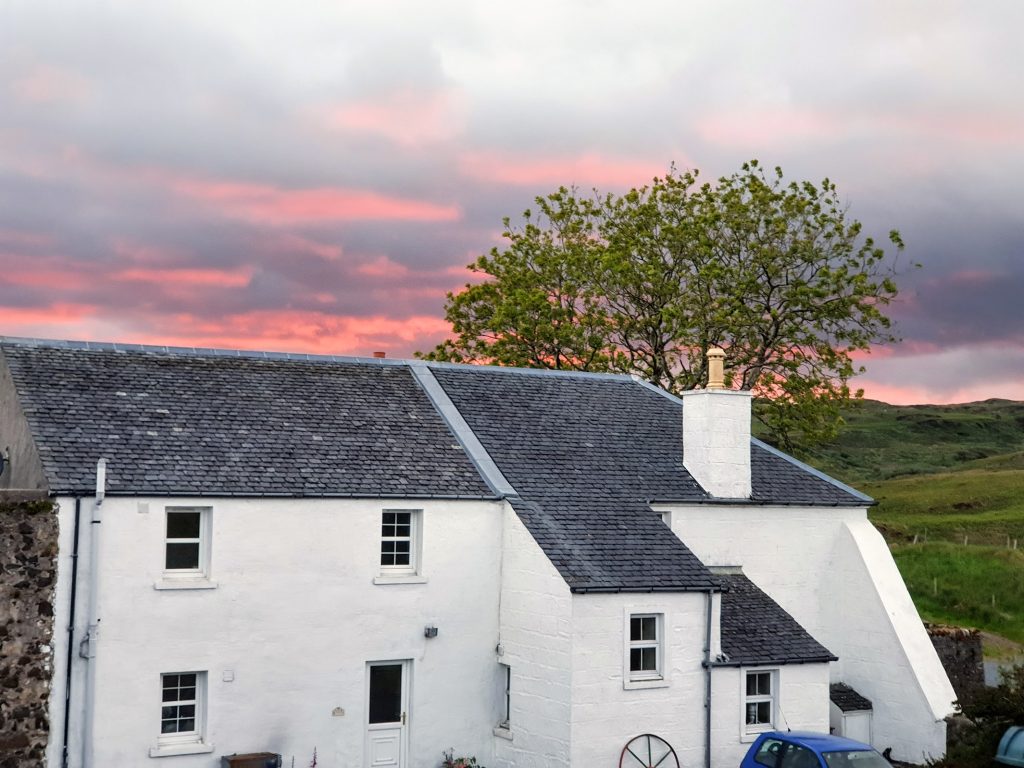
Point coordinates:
[[268, 204], [406, 117], [47, 84], [916, 395], [383, 267], [59, 320], [767, 126], [288, 242], [24, 238], [586, 169], [185, 277], [54, 278], [298, 331]]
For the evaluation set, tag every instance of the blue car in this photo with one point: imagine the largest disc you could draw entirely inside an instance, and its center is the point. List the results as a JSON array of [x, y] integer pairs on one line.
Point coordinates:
[[796, 749]]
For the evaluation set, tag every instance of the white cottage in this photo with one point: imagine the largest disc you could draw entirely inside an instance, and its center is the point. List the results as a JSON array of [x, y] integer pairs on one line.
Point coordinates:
[[382, 559]]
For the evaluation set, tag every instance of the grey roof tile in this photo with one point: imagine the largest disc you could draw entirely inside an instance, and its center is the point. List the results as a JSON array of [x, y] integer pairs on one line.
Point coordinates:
[[757, 630], [190, 423], [847, 699], [585, 456]]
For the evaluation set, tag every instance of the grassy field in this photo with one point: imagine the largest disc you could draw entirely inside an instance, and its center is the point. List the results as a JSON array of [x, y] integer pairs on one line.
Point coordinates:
[[969, 586], [943, 476]]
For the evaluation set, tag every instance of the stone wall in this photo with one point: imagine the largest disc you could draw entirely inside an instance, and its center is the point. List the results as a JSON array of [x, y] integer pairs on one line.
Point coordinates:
[[28, 570], [960, 651]]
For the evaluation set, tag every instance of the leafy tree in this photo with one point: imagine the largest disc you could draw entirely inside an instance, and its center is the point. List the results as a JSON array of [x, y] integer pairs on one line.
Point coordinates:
[[645, 282], [986, 714]]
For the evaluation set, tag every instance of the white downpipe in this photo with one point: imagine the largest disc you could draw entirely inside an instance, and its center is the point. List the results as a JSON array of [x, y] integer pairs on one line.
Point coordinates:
[[87, 650]]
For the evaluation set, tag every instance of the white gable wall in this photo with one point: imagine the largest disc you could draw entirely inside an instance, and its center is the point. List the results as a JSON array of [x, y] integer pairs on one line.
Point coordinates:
[[537, 643], [839, 582], [294, 619]]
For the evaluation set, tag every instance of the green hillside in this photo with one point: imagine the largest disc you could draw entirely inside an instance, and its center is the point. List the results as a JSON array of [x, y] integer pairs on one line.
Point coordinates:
[[881, 441], [949, 481]]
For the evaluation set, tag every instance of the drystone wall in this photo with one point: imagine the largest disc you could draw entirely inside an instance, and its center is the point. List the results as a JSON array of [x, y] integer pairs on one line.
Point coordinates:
[[28, 572], [960, 652]]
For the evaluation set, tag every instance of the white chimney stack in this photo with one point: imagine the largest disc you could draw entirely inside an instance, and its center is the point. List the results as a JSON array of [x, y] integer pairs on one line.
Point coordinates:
[[716, 434]]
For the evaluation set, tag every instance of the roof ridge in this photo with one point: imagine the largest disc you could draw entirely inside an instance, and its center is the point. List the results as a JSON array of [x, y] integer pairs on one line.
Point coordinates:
[[309, 357]]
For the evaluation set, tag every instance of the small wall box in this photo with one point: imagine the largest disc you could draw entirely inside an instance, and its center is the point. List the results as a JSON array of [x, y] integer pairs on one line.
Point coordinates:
[[251, 760]]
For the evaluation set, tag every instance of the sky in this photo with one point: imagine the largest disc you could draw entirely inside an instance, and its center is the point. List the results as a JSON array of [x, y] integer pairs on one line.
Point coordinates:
[[314, 176]]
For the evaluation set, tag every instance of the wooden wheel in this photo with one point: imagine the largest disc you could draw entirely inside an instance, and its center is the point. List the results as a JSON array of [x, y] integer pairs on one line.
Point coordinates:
[[649, 751]]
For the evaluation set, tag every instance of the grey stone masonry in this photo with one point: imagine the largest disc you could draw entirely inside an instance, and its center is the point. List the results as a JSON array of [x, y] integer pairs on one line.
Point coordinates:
[[28, 568], [960, 652]]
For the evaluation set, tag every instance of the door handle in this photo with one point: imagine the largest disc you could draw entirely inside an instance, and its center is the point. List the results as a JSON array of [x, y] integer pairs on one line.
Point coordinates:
[[403, 718]]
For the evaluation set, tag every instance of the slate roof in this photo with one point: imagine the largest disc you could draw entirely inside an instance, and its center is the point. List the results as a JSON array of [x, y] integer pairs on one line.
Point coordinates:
[[847, 699], [194, 424], [585, 457], [757, 630], [585, 454]]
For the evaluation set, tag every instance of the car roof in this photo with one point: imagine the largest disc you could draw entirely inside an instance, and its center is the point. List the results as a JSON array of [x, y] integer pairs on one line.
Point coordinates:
[[820, 742]]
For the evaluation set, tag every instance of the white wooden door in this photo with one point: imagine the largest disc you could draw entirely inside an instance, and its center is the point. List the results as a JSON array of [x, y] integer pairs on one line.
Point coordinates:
[[387, 708]]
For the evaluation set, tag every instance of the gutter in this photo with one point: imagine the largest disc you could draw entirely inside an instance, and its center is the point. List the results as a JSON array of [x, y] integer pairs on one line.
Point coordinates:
[[71, 637], [197, 494], [87, 648], [642, 590], [777, 662]]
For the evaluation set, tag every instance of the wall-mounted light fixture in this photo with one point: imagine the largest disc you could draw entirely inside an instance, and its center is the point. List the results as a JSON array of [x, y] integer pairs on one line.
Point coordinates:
[[430, 631]]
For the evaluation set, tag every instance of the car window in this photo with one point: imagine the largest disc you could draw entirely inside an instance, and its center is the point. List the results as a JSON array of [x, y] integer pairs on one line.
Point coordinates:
[[795, 756], [769, 753], [855, 759]]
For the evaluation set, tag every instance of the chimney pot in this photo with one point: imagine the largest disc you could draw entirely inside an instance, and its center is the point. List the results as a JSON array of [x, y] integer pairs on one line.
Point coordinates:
[[716, 368], [380, 355]]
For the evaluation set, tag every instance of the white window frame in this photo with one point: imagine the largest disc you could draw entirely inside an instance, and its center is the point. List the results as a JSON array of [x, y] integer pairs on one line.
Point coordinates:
[[185, 742], [750, 731], [188, 578], [504, 726], [402, 574], [658, 677]]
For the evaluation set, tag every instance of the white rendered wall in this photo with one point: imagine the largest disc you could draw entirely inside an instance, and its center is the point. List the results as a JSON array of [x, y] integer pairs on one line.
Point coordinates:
[[909, 687], [295, 617], [536, 642], [716, 440], [606, 715], [832, 572], [802, 704]]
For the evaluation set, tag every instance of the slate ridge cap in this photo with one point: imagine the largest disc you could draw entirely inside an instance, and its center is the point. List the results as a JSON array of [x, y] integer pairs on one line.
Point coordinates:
[[310, 357]]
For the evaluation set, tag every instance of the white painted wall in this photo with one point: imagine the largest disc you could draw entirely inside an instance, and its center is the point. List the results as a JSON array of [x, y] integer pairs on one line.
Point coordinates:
[[537, 643], [605, 714], [716, 440], [295, 616], [888, 656], [802, 700], [833, 573]]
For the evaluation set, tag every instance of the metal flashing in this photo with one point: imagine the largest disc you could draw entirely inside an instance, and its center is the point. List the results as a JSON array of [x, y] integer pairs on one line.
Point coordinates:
[[461, 430]]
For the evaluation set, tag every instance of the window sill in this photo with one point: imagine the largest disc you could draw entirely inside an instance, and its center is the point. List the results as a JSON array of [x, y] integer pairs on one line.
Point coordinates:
[[183, 582], [171, 750], [641, 683], [503, 733], [410, 578], [748, 736]]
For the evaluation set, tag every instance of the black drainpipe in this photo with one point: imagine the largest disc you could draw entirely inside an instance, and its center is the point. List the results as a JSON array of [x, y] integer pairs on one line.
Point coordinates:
[[71, 637], [707, 682]]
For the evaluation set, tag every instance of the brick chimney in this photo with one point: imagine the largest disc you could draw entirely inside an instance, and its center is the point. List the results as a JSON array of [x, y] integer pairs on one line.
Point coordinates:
[[716, 434]]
